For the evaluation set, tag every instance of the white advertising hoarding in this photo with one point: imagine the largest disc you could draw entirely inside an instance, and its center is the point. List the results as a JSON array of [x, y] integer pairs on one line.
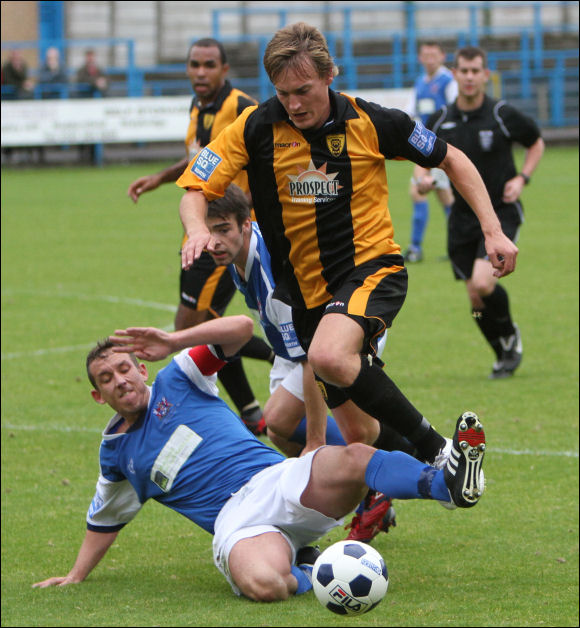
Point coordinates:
[[99, 120], [119, 120]]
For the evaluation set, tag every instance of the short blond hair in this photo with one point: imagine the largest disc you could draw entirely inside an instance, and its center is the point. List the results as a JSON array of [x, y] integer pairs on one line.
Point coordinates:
[[292, 46]]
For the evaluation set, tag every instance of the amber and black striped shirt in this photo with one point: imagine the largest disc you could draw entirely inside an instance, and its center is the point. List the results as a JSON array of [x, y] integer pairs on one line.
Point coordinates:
[[320, 196]]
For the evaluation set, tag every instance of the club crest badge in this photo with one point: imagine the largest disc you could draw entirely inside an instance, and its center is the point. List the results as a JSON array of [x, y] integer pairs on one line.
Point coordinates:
[[162, 408], [208, 119], [486, 139], [335, 143]]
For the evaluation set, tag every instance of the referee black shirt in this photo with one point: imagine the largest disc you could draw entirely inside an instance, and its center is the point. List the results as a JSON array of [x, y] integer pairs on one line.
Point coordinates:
[[486, 136]]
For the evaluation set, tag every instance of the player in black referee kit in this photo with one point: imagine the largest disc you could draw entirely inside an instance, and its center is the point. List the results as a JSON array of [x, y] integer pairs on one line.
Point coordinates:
[[485, 129]]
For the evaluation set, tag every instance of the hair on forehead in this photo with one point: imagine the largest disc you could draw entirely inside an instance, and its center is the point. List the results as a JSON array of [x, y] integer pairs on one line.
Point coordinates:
[[99, 352], [469, 53], [295, 47], [210, 42], [233, 203]]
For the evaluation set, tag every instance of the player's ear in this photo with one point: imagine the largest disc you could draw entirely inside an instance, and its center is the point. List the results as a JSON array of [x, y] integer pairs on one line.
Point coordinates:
[[143, 370], [96, 395]]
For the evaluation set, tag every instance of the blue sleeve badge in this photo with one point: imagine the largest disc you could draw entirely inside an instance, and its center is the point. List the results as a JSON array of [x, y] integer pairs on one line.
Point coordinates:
[[207, 161], [422, 139]]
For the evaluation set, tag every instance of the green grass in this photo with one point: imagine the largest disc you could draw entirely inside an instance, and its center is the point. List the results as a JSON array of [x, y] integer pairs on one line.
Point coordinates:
[[79, 260]]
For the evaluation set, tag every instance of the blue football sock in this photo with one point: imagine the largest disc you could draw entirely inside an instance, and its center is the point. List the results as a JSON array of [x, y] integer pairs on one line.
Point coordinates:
[[419, 223], [333, 435], [401, 476], [447, 210], [304, 576]]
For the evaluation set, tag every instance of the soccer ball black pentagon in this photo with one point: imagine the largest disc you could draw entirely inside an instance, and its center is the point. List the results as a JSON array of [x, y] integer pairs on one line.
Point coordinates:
[[350, 578]]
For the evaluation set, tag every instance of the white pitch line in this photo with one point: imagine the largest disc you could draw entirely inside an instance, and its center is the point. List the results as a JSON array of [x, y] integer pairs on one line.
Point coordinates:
[[529, 452], [30, 354], [92, 430], [51, 428]]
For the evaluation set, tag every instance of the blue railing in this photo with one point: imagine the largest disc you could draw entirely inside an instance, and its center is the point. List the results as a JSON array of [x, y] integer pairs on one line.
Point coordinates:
[[556, 69], [533, 68]]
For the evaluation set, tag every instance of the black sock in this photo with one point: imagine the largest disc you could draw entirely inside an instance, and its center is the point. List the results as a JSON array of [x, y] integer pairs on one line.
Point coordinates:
[[233, 378], [498, 305], [258, 349], [494, 320], [375, 392], [389, 440]]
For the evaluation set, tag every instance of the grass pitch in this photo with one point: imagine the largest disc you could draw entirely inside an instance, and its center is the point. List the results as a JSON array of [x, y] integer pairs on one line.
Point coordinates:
[[79, 260]]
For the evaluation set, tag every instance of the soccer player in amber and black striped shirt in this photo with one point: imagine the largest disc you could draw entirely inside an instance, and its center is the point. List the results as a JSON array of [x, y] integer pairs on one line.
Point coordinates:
[[206, 289], [316, 169]]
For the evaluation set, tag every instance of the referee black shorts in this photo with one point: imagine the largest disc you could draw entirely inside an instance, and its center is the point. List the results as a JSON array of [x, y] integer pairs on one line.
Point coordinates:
[[206, 286], [465, 241]]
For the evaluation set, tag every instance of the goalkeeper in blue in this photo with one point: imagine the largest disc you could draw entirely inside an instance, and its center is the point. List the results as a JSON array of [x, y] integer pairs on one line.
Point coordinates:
[[176, 442]]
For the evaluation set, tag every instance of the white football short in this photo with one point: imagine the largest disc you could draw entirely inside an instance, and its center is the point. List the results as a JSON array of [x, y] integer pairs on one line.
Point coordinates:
[[441, 179], [270, 502], [287, 374]]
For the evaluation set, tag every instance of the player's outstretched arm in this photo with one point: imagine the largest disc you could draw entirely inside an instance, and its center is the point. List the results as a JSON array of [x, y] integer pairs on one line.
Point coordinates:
[[93, 548], [152, 181], [193, 211], [152, 344]]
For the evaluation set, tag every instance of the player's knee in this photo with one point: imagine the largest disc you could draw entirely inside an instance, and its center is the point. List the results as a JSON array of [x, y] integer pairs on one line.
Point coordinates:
[[266, 587], [356, 459], [186, 317], [277, 419], [479, 287], [358, 432], [330, 365]]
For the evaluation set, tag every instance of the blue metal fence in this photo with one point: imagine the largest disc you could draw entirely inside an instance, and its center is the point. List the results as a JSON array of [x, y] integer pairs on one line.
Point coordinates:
[[557, 70], [533, 69]]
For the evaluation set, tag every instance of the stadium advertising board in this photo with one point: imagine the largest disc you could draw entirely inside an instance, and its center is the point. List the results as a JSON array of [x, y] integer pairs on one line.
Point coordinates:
[[118, 120]]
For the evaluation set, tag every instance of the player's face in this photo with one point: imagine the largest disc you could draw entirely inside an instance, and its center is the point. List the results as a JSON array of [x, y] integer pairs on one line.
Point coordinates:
[[431, 58], [471, 77], [228, 242], [304, 96], [121, 384], [206, 72]]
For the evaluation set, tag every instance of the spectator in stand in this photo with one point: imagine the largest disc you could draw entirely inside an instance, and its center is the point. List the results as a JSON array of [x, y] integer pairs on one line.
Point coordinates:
[[53, 73], [15, 78], [91, 78], [91, 83]]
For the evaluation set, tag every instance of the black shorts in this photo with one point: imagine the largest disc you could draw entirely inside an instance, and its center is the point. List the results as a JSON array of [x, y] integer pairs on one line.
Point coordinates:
[[371, 295], [465, 241], [206, 286]]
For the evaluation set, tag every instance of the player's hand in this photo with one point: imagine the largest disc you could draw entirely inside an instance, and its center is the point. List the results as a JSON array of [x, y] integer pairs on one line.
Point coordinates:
[[502, 253], [141, 185], [193, 247], [147, 343], [425, 184], [512, 189], [54, 582]]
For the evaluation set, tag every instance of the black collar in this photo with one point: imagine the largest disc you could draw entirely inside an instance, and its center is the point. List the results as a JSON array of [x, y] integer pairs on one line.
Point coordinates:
[[340, 111]]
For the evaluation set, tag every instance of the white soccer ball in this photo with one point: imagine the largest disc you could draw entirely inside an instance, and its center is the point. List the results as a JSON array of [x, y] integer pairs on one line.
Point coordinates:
[[350, 578]]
